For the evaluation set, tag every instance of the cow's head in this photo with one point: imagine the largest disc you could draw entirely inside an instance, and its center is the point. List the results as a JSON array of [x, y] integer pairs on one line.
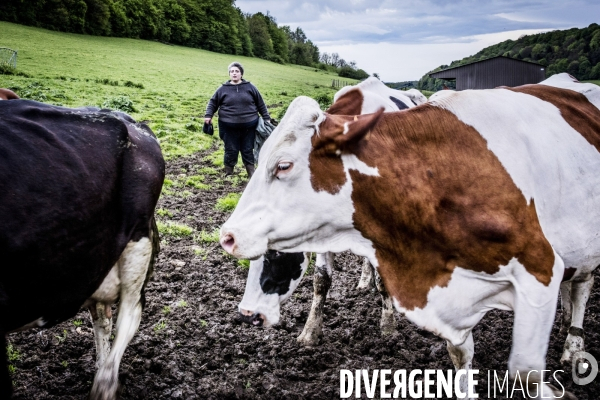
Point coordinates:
[[271, 280], [300, 196]]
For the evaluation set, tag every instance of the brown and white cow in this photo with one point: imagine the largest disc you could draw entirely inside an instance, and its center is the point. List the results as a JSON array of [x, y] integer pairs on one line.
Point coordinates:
[[274, 277], [473, 201]]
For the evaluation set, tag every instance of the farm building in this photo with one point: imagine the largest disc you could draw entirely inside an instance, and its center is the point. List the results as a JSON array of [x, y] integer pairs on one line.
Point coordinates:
[[493, 72]]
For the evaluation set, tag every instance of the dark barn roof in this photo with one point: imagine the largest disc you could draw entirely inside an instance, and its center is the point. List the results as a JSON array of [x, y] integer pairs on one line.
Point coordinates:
[[493, 72]]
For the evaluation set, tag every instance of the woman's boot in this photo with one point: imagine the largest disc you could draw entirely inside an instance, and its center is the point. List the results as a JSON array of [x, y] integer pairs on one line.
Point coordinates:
[[250, 170], [228, 170]]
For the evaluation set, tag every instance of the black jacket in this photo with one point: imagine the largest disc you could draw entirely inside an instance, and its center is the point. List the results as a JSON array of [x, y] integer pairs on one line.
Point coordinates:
[[237, 103]]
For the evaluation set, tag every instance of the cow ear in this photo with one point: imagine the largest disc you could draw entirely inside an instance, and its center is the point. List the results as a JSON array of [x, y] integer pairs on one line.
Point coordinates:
[[355, 131], [349, 103]]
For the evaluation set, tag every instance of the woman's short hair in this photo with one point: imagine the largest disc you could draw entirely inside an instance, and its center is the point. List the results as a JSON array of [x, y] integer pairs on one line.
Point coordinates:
[[236, 64]]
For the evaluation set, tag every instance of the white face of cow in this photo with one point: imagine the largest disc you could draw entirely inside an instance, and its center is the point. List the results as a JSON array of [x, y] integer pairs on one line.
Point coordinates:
[[271, 280], [281, 209]]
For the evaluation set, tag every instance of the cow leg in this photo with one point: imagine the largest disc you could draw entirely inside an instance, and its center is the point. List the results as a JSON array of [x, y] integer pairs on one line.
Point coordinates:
[[534, 307], [462, 358], [313, 329], [101, 315], [133, 268], [580, 293], [566, 306], [366, 276], [387, 323]]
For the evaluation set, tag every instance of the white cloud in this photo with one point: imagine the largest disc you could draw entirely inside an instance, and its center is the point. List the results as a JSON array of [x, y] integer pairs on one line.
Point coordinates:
[[419, 35], [396, 62]]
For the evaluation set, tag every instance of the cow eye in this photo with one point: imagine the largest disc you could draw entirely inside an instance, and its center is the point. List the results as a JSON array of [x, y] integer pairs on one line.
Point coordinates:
[[283, 167]]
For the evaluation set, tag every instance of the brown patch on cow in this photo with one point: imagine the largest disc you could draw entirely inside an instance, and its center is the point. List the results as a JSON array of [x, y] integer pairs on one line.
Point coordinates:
[[338, 135], [443, 200], [7, 94], [574, 107], [350, 103], [569, 272]]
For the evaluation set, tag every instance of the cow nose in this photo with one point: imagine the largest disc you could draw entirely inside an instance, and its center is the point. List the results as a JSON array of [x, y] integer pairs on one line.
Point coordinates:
[[252, 318], [228, 242]]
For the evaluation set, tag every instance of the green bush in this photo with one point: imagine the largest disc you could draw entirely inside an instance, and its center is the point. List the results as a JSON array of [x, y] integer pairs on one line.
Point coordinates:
[[122, 103]]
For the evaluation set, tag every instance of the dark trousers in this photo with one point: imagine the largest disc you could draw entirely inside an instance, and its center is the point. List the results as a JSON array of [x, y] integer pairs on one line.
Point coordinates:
[[238, 138]]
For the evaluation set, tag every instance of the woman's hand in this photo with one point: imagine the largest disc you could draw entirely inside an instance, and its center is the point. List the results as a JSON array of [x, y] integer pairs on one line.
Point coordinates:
[[207, 120]]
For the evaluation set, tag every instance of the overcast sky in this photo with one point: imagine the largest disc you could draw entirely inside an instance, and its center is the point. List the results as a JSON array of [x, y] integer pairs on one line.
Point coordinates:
[[402, 40]]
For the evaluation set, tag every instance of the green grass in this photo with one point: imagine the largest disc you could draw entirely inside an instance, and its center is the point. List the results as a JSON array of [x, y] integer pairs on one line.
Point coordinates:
[[167, 86], [163, 212], [174, 229], [208, 237], [229, 202], [196, 181], [244, 264], [594, 82]]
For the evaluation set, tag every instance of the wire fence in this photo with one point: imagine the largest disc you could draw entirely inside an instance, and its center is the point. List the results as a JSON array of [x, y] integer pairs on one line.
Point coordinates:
[[8, 57], [336, 83]]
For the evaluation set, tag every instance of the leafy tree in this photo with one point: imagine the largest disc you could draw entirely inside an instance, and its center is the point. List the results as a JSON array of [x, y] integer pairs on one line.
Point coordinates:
[[259, 33]]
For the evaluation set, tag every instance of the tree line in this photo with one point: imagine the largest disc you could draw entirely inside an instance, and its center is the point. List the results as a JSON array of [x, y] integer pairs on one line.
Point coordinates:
[[215, 25], [576, 51]]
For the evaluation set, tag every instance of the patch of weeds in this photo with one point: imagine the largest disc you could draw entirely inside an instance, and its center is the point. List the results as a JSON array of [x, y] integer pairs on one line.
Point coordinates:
[[192, 127], [123, 103], [184, 194], [311, 265], [242, 361], [248, 384], [106, 81], [166, 310], [216, 157], [208, 237], [61, 338], [196, 181], [8, 70], [182, 303], [77, 322], [324, 100], [208, 171], [229, 202], [236, 180], [200, 252], [244, 264], [163, 212], [173, 229], [161, 325], [13, 355], [203, 323], [133, 84], [64, 363]]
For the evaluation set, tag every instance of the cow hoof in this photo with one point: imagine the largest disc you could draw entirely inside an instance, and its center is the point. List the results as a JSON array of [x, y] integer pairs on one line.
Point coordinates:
[[307, 339], [105, 385], [573, 344]]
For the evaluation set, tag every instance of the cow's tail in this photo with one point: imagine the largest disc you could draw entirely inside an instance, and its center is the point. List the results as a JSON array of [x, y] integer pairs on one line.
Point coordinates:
[[155, 239]]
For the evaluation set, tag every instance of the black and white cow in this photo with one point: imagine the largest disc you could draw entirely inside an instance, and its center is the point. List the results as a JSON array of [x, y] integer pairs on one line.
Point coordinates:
[[78, 189], [273, 277]]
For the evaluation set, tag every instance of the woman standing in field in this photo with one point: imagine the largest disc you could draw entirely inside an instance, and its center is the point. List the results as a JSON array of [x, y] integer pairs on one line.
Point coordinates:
[[239, 103]]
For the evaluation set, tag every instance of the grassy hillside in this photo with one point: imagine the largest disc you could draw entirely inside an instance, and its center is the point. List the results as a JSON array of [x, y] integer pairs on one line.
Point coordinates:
[[168, 86]]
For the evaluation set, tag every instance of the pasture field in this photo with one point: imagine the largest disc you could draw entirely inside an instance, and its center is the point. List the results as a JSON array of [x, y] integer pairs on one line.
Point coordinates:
[[168, 86]]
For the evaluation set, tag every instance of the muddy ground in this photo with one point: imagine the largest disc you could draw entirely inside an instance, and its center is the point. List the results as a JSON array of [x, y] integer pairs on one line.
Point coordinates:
[[189, 346]]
